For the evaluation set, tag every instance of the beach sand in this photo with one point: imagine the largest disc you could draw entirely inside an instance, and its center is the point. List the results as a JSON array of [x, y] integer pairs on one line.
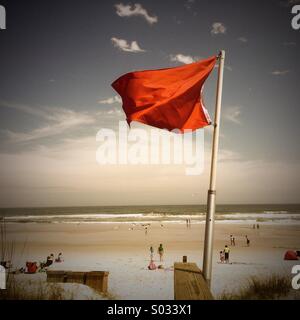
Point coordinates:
[[114, 247]]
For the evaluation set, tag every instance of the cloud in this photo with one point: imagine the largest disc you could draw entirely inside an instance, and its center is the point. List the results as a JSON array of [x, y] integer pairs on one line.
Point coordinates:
[[243, 39], [177, 21], [182, 58], [226, 155], [291, 43], [27, 109], [125, 46], [218, 28], [233, 114], [58, 120], [280, 72], [293, 2], [227, 67], [135, 10], [189, 4], [112, 100]]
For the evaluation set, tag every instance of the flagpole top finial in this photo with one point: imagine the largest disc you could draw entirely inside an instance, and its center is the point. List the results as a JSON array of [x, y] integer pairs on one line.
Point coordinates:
[[221, 54]]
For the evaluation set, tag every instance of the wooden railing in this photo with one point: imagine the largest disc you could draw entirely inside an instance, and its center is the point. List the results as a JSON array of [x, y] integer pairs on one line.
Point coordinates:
[[189, 283]]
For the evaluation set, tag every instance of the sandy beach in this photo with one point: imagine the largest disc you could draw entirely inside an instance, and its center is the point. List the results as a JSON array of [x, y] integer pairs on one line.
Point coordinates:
[[123, 250]]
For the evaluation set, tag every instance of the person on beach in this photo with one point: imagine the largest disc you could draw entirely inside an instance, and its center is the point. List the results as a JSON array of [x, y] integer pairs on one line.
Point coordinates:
[[226, 253], [160, 252], [248, 241], [151, 253], [222, 257], [187, 222], [146, 230], [49, 261], [231, 240], [257, 226], [59, 258]]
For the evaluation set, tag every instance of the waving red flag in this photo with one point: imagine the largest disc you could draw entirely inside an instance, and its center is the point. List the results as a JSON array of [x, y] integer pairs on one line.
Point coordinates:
[[167, 98]]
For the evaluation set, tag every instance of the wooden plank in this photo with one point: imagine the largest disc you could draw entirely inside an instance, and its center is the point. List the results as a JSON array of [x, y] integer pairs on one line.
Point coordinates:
[[189, 283], [56, 276], [75, 277], [97, 280]]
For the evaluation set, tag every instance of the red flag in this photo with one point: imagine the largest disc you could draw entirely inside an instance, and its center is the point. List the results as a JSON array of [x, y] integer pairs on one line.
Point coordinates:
[[167, 98]]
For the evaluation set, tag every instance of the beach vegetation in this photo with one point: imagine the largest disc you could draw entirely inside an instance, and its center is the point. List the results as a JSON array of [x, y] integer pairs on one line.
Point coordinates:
[[270, 288]]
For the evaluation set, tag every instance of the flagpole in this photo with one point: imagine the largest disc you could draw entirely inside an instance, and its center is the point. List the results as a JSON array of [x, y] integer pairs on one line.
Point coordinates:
[[211, 197]]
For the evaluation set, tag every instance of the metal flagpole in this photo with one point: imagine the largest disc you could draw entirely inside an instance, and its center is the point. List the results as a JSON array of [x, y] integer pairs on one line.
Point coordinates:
[[211, 197]]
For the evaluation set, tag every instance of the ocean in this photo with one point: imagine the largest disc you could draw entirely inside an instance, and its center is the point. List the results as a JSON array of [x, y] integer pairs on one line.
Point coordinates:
[[279, 213]]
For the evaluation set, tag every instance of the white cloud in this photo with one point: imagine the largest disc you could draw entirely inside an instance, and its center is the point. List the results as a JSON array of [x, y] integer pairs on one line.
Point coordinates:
[[182, 58], [125, 46], [233, 114], [135, 10], [280, 72], [27, 109], [111, 100], [218, 28], [243, 39], [58, 120]]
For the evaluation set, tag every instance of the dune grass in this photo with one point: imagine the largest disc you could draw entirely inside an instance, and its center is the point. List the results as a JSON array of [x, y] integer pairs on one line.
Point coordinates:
[[271, 288], [29, 291]]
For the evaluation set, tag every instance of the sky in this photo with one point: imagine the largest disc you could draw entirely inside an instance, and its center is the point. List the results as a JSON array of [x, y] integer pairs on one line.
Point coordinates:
[[59, 58]]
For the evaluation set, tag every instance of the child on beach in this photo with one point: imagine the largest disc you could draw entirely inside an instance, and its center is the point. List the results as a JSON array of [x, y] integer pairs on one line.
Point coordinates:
[[222, 257], [151, 253], [160, 252]]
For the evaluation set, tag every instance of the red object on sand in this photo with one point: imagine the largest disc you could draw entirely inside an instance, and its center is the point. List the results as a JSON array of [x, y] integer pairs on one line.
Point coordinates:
[[31, 267], [167, 98], [290, 255], [152, 265]]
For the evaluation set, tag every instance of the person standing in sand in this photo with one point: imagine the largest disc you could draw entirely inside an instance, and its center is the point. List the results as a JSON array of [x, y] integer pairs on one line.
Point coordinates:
[[231, 240], [151, 253], [248, 241], [226, 252], [160, 252]]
